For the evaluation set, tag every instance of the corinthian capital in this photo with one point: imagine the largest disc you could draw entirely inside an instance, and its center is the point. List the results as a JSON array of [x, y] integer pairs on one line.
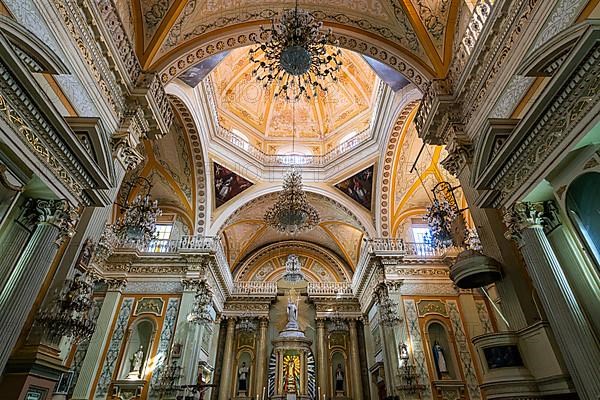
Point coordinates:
[[134, 127], [524, 215], [59, 213]]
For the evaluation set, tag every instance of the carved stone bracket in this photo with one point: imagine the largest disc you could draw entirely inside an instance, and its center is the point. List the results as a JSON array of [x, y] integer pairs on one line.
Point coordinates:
[[59, 213], [523, 215], [460, 153]]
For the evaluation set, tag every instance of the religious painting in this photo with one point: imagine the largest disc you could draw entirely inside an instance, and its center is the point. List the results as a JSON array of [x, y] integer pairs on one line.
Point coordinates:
[[359, 187], [502, 356], [291, 368], [227, 184], [194, 75]]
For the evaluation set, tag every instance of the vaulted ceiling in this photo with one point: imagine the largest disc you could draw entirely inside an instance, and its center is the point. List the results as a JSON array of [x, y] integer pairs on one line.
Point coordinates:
[[171, 33], [266, 120]]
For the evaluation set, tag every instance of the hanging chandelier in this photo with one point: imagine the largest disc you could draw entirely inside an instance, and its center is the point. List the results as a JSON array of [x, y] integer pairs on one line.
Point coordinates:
[[292, 214], [388, 308], [201, 308], [137, 224], [294, 60], [338, 324], [439, 218], [246, 324], [69, 313]]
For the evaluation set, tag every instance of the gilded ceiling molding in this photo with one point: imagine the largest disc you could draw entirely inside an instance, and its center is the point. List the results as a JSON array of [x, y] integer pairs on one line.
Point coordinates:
[[198, 158], [170, 69], [388, 175]]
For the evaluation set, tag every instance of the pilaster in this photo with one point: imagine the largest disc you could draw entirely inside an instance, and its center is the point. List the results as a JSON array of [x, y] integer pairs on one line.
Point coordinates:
[[226, 384], [526, 224], [322, 359], [53, 222], [261, 356], [357, 389], [102, 333]]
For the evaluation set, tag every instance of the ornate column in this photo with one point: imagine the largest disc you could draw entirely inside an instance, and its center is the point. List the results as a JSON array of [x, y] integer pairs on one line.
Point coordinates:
[[527, 223], [357, 389], [102, 334], [322, 367], [226, 383], [53, 222], [261, 356]]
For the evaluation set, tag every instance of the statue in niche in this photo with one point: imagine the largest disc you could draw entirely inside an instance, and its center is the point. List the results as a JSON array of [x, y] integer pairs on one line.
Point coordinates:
[[339, 379], [136, 361], [440, 360], [292, 374], [243, 378]]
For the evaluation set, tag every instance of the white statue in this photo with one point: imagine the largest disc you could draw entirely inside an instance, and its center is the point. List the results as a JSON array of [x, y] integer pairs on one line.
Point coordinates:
[[440, 360], [293, 269], [292, 313], [137, 359]]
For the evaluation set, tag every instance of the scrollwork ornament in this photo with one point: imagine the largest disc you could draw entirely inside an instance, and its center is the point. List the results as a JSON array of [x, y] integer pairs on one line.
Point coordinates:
[[115, 284]]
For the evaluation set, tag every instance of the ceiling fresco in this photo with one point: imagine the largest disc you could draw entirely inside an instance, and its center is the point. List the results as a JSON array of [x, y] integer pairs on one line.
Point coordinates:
[[421, 32], [244, 104], [227, 184], [339, 231]]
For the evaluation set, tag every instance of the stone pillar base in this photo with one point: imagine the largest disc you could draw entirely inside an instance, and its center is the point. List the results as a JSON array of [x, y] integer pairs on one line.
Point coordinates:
[[512, 367]]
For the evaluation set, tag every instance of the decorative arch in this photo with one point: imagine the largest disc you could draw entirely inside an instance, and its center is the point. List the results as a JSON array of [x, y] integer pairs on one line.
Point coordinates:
[[200, 175], [387, 173], [255, 193], [266, 263], [178, 60]]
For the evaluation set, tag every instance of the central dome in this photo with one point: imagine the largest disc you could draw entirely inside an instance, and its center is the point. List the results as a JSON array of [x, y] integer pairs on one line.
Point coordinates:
[[245, 107]]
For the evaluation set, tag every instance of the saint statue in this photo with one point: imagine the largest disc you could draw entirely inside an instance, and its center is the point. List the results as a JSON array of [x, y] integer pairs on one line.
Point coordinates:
[[292, 313], [292, 379], [339, 379], [440, 360], [243, 378], [137, 359]]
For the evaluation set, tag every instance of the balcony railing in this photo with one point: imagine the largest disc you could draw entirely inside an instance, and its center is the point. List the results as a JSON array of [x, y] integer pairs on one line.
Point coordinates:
[[255, 288], [338, 289], [398, 247]]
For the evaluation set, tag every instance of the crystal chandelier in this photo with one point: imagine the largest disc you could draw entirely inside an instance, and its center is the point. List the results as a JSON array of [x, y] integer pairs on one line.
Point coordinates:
[[69, 313], [246, 324], [338, 324], [292, 214], [201, 308], [388, 313], [293, 269], [295, 60], [439, 217], [137, 224]]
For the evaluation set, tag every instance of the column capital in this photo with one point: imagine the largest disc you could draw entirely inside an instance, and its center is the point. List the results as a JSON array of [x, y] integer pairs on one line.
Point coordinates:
[[115, 284], [59, 213], [523, 215], [460, 153]]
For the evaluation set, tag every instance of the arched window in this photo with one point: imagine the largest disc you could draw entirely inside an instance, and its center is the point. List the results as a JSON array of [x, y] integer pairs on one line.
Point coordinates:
[[240, 139], [584, 210]]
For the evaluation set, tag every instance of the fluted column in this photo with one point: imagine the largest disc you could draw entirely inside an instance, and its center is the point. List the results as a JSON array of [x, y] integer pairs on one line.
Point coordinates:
[[12, 246], [102, 333], [261, 356], [53, 222], [370, 350], [574, 335], [188, 334], [389, 357], [322, 367], [226, 384], [357, 389]]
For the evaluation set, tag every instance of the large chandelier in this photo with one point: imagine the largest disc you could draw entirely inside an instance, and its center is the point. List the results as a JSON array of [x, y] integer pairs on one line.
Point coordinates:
[[137, 224], [292, 214], [294, 60], [69, 313], [388, 308]]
